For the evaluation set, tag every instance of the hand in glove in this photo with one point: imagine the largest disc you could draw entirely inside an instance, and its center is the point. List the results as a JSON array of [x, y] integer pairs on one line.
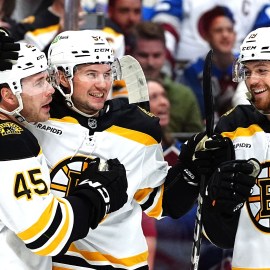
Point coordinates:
[[231, 184], [108, 188], [8, 50], [200, 155]]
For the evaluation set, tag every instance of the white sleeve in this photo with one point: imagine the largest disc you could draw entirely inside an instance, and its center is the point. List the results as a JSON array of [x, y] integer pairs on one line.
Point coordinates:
[[28, 208]]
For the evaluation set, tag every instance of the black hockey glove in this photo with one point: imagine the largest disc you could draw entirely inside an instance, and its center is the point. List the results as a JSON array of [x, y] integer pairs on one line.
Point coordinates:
[[231, 184], [200, 155], [8, 50], [108, 188]]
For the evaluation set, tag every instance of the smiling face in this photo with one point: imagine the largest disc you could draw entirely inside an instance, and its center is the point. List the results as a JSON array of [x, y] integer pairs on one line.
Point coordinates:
[[91, 86], [159, 102], [258, 83], [221, 35], [36, 96]]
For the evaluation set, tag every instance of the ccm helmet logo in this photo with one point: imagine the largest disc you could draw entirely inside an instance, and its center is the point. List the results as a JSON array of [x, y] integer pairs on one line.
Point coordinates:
[[249, 48], [102, 50], [40, 57]]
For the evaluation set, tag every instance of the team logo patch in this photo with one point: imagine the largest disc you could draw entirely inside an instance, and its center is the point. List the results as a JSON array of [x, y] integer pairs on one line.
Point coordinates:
[[9, 128], [258, 204], [66, 174]]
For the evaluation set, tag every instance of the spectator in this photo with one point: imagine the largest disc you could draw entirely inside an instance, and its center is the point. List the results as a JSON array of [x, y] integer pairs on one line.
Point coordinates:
[[149, 49], [180, 20], [216, 26], [160, 107], [123, 15], [102, 6]]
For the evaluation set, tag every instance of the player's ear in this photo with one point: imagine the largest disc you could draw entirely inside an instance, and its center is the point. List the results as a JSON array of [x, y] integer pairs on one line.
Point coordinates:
[[63, 79], [7, 96]]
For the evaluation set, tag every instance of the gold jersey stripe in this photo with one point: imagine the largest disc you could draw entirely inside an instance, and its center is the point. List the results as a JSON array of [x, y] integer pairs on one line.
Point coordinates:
[[157, 210], [60, 236], [66, 119], [141, 194], [98, 257], [134, 135], [44, 30], [61, 268], [242, 132], [42, 222]]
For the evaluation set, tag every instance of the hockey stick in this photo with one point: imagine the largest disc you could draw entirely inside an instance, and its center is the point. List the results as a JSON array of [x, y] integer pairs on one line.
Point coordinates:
[[127, 68], [209, 122]]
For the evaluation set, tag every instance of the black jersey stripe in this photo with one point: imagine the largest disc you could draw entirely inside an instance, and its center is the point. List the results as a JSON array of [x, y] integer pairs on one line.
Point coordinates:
[[42, 240], [150, 200]]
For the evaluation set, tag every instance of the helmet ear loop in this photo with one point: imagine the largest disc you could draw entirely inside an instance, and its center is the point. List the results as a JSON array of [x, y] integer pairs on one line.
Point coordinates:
[[68, 96]]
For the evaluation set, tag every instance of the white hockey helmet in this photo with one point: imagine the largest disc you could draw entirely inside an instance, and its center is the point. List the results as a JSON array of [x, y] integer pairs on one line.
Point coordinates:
[[71, 48], [75, 47], [256, 46], [31, 61]]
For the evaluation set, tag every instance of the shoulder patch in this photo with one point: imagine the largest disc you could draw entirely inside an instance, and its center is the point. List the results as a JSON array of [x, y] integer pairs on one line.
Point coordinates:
[[17, 142], [10, 128], [146, 112], [229, 111]]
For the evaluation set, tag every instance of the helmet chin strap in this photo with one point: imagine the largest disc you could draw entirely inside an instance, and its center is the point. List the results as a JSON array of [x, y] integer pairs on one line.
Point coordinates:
[[71, 105], [251, 100], [20, 118], [16, 113]]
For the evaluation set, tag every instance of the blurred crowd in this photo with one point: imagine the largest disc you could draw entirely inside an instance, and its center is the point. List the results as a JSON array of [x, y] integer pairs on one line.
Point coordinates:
[[170, 39]]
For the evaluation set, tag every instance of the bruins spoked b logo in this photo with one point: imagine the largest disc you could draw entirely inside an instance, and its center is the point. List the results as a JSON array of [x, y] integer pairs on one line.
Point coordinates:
[[258, 204], [66, 174]]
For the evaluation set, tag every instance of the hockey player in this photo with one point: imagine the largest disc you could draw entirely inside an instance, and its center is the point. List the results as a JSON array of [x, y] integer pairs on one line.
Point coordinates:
[[85, 125], [36, 225], [246, 229]]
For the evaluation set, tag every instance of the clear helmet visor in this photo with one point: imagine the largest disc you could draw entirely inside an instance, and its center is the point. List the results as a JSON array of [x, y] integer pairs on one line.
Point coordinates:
[[239, 73], [54, 76], [242, 71], [36, 84]]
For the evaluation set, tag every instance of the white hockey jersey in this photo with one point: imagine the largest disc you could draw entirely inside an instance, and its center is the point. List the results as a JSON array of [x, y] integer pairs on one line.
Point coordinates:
[[34, 225], [130, 136], [249, 131]]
